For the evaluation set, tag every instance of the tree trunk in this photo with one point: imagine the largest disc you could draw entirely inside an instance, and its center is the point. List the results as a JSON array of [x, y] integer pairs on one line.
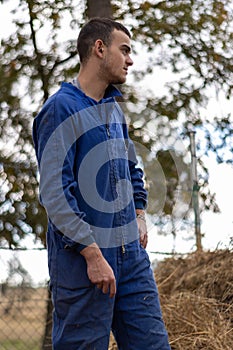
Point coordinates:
[[99, 8]]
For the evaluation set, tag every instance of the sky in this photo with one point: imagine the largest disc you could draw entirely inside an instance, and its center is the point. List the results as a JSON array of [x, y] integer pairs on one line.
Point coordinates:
[[217, 228]]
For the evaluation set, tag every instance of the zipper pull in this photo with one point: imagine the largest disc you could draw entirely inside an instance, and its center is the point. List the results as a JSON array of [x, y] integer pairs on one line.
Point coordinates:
[[108, 130], [123, 247]]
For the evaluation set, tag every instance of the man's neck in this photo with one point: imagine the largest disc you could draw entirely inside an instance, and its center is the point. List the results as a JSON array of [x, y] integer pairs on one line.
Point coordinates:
[[91, 85]]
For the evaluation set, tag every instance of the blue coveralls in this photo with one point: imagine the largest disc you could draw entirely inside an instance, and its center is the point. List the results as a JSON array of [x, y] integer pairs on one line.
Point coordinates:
[[90, 186]]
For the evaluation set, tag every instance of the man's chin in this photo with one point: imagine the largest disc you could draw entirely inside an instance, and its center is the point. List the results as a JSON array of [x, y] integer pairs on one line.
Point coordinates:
[[119, 81]]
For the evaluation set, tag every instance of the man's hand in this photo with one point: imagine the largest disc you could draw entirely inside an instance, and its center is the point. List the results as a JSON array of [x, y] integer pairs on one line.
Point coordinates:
[[141, 220], [98, 270]]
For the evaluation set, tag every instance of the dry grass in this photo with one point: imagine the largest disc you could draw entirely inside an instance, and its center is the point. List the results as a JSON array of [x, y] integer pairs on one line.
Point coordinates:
[[196, 296]]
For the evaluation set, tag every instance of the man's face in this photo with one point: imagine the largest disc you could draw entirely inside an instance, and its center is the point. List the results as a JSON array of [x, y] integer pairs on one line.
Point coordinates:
[[114, 67]]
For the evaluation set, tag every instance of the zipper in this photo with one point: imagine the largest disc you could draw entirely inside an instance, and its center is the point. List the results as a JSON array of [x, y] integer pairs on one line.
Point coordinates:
[[123, 246], [108, 130]]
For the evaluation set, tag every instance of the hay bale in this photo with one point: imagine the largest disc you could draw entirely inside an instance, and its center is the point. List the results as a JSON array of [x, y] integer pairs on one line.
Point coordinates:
[[196, 296], [195, 322]]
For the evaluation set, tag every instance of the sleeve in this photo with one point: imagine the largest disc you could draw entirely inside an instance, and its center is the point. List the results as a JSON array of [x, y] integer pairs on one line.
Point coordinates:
[[55, 134], [136, 173]]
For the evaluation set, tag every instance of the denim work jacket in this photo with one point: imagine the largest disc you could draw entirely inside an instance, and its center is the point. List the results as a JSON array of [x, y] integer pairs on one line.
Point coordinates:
[[90, 184]]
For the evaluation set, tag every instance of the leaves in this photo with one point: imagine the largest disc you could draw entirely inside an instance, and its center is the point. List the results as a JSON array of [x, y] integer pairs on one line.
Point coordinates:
[[29, 67], [192, 39]]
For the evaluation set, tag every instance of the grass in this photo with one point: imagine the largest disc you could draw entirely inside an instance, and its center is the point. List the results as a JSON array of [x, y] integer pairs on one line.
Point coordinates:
[[19, 345]]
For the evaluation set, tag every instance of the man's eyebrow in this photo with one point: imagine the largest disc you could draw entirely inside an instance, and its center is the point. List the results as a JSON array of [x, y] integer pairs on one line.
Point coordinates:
[[127, 47]]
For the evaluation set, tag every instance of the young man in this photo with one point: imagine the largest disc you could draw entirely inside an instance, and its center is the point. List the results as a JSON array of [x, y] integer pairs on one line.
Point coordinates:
[[95, 199]]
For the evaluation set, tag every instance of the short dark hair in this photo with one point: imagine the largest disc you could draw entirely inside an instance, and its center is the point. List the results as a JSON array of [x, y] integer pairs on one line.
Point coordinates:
[[97, 28]]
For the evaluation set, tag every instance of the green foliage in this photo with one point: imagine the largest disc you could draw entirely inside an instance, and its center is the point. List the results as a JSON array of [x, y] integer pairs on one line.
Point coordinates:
[[31, 63], [194, 40], [191, 38]]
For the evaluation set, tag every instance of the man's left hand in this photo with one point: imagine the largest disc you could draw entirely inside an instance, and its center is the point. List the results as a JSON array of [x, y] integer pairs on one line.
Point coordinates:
[[141, 220]]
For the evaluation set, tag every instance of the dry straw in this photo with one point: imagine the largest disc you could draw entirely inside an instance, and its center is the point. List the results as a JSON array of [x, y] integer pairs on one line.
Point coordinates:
[[196, 295]]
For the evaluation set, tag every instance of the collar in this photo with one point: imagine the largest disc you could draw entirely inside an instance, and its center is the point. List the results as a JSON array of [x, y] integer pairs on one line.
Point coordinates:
[[111, 90]]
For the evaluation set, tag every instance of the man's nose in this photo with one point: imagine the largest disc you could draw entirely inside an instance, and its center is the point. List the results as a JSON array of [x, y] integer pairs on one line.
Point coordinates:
[[129, 61]]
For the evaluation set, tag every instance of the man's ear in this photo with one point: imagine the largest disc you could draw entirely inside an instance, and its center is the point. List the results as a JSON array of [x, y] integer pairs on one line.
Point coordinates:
[[99, 48]]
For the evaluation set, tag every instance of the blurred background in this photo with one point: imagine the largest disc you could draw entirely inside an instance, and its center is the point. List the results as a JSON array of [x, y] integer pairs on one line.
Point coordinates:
[[179, 87]]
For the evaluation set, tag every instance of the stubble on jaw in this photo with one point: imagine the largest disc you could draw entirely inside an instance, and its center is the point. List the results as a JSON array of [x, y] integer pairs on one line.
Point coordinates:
[[106, 73]]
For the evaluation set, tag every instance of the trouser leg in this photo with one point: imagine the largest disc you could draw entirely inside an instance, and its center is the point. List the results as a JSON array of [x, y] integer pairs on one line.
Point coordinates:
[[137, 322], [82, 313]]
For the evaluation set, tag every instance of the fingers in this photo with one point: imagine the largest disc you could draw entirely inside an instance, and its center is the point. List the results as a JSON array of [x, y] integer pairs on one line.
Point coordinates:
[[142, 230], [99, 271], [108, 287], [112, 289], [99, 285], [144, 239]]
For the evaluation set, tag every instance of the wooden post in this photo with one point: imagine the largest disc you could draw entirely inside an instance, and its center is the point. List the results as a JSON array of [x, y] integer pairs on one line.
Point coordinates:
[[195, 191]]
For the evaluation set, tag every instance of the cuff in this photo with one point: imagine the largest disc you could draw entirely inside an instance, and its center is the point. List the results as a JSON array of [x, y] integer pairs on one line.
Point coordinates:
[[85, 243], [78, 246], [140, 204]]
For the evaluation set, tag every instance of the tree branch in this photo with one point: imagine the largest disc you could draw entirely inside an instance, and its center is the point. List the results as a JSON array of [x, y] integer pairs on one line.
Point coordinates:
[[37, 52], [58, 63]]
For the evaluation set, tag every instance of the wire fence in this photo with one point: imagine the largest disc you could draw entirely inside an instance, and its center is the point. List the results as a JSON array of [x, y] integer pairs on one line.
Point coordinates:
[[25, 303], [23, 299], [23, 313]]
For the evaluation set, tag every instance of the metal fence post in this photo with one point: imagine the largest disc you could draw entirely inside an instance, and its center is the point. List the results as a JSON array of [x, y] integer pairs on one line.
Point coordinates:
[[195, 190]]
